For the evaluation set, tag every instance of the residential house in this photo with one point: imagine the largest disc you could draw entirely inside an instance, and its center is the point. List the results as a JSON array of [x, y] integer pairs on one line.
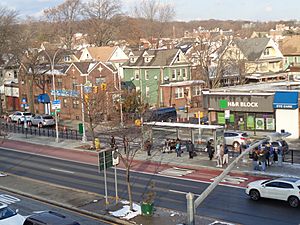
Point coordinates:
[[149, 69], [258, 58]]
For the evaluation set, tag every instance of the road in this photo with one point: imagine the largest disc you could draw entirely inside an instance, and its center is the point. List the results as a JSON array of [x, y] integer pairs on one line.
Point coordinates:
[[28, 206], [225, 203]]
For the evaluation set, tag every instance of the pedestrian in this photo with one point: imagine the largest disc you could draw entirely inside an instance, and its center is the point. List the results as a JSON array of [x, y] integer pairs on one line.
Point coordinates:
[[255, 163], [280, 155], [262, 159], [225, 156], [210, 150], [190, 149], [112, 141], [178, 147], [219, 154], [126, 144], [147, 147]]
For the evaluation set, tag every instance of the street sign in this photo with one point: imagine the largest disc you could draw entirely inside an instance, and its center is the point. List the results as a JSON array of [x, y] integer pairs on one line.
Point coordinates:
[[105, 157], [56, 104], [24, 100], [115, 157]]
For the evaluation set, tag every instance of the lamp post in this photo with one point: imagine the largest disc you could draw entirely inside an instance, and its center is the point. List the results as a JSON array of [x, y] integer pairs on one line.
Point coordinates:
[[84, 139], [121, 103], [52, 61]]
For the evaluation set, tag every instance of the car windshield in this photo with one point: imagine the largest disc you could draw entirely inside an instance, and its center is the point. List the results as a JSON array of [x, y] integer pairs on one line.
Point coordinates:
[[265, 181], [275, 144], [6, 213], [47, 117], [245, 135], [27, 114]]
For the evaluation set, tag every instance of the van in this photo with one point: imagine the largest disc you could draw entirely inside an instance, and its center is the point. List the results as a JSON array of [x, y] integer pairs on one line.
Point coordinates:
[[168, 114], [49, 218]]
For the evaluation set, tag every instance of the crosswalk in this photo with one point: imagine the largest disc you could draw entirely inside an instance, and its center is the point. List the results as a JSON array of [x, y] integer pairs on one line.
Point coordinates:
[[8, 199], [232, 179], [175, 171]]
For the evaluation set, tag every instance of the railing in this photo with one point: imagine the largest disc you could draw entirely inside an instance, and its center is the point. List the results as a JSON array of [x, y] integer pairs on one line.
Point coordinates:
[[38, 131]]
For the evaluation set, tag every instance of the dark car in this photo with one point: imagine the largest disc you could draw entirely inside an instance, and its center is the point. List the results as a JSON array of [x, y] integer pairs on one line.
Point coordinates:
[[161, 115], [49, 218]]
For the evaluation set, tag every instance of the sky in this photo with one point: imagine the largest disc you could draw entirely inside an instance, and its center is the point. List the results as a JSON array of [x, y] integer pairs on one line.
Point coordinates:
[[186, 10]]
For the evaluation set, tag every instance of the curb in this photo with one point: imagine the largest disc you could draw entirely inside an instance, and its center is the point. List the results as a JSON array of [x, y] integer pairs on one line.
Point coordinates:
[[69, 207]]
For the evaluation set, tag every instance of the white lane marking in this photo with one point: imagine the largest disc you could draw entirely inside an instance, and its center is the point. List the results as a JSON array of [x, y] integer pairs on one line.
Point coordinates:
[[63, 171], [181, 192], [232, 179], [8, 199], [175, 171]]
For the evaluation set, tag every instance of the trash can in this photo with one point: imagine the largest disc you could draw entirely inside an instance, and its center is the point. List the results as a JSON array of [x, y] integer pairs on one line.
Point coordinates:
[[97, 143], [80, 128], [147, 209]]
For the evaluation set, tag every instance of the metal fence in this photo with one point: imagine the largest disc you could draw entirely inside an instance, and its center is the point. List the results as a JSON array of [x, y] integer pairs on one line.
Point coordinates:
[[38, 131]]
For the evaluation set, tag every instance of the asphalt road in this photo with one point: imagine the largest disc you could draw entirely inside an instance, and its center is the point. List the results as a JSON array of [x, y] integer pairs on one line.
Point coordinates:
[[28, 206], [225, 203]]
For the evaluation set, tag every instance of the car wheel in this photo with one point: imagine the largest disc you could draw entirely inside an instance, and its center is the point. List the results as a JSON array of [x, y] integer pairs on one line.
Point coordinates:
[[236, 145], [293, 201], [254, 195]]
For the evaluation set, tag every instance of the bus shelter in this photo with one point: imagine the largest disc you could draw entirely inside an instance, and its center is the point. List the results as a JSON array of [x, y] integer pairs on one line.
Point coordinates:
[[199, 134]]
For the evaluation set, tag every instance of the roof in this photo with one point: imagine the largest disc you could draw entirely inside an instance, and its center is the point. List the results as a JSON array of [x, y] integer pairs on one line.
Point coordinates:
[[252, 48], [183, 83], [161, 57], [184, 125], [103, 53], [82, 66], [290, 45]]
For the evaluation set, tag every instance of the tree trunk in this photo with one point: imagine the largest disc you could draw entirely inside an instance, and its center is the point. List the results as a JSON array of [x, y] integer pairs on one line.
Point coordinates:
[[31, 97], [92, 132], [1, 106], [129, 187]]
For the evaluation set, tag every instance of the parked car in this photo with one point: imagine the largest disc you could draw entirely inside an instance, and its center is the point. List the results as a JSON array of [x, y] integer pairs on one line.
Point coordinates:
[[19, 116], [286, 189], [43, 120], [49, 218], [236, 138], [10, 216]]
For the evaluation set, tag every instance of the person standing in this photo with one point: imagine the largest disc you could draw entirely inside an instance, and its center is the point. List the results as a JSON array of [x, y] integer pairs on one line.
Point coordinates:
[[209, 150], [219, 155], [190, 149], [147, 147], [225, 156], [255, 163], [178, 147]]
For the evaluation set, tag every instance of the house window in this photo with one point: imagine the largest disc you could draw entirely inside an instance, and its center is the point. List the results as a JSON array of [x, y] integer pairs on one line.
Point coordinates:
[[65, 103], [295, 59], [179, 73], [74, 85], [146, 74], [67, 58], [137, 74], [174, 74], [132, 60], [196, 90], [59, 83], [184, 73], [75, 104], [15, 74], [179, 92], [147, 92], [147, 59], [100, 80], [267, 51]]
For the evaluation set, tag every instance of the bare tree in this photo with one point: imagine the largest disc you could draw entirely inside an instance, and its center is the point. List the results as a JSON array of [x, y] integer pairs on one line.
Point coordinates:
[[64, 17], [156, 13], [101, 20]]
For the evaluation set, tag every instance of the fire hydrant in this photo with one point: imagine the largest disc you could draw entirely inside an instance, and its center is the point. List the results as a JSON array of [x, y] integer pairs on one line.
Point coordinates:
[[97, 143]]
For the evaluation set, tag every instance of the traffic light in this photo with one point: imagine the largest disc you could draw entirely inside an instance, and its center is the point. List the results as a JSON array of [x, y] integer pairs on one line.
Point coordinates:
[[86, 98], [95, 89], [103, 86]]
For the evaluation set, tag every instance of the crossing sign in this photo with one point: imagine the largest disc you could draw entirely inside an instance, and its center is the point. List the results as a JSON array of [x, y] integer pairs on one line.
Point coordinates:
[[56, 104]]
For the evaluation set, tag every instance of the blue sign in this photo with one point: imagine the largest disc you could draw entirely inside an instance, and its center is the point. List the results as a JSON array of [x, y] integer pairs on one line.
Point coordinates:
[[65, 93], [285, 100], [24, 100], [56, 102]]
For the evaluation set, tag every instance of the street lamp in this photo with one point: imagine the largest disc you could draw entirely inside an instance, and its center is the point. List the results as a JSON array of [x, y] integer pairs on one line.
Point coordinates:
[[52, 61], [84, 139]]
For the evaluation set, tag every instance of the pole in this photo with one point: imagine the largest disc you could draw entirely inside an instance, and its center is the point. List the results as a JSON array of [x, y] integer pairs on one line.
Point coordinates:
[[121, 103], [105, 181], [199, 130], [84, 139], [190, 209], [116, 185]]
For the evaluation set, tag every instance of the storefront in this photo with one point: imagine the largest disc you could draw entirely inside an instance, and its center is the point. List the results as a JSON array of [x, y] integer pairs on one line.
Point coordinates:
[[241, 110]]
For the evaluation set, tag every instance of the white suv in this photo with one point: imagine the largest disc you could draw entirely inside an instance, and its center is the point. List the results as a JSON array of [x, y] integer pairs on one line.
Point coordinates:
[[286, 189], [19, 116], [236, 138], [9, 216]]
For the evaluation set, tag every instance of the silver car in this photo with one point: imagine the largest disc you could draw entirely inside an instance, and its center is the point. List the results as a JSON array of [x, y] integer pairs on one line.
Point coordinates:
[[236, 138], [19, 116], [43, 120]]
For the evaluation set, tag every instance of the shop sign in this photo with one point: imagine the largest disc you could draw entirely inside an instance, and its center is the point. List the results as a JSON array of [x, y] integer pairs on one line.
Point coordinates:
[[243, 104]]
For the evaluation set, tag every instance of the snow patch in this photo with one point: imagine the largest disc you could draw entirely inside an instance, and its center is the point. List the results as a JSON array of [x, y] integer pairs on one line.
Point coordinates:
[[126, 213]]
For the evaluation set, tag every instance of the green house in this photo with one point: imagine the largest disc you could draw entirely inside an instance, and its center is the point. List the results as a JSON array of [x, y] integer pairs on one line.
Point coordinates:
[[148, 69]]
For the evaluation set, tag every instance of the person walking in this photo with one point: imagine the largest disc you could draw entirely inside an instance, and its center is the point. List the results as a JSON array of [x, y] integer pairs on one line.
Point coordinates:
[[209, 150], [126, 144], [225, 156], [112, 141], [147, 147], [219, 155], [190, 149], [178, 147]]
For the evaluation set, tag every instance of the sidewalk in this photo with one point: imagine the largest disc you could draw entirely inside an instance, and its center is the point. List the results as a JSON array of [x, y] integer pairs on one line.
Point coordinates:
[[170, 159]]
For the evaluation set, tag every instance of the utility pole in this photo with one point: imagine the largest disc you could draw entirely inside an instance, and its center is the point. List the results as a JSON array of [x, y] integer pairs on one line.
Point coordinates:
[[84, 139]]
